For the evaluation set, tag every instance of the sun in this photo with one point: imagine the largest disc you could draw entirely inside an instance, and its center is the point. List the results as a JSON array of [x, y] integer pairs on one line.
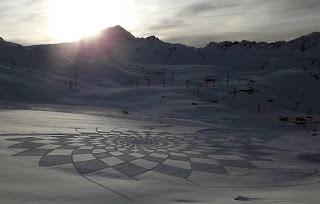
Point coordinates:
[[71, 20]]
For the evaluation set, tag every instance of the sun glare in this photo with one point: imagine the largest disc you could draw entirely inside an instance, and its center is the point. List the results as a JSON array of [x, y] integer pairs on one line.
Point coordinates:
[[72, 20]]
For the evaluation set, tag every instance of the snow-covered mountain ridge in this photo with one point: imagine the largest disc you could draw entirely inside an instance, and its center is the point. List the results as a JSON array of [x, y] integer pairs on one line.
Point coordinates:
[[117, 43]]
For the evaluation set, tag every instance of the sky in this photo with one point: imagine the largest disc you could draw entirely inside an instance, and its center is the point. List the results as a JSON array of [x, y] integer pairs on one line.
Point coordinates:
[[192, 22]]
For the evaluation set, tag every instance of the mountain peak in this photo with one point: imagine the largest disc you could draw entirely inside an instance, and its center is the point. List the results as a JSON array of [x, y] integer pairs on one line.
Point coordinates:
[[314, 35], [153, 38], [117, 33]]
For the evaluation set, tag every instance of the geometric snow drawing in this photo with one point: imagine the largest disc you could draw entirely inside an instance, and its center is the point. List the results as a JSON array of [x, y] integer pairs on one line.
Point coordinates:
[[134, 153]]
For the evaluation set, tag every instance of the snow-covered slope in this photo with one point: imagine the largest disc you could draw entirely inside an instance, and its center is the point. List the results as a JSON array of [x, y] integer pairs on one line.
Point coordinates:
[[149, 75]]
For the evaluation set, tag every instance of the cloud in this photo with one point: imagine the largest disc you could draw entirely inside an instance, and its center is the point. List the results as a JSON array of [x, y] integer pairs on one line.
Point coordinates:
[[184, 15], [206, 6], [23, 21], [195, 22], [167, 24], [199, 22]]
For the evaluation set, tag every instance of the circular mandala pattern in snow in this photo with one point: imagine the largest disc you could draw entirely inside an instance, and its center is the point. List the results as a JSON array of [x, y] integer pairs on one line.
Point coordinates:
[[206, 161]]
